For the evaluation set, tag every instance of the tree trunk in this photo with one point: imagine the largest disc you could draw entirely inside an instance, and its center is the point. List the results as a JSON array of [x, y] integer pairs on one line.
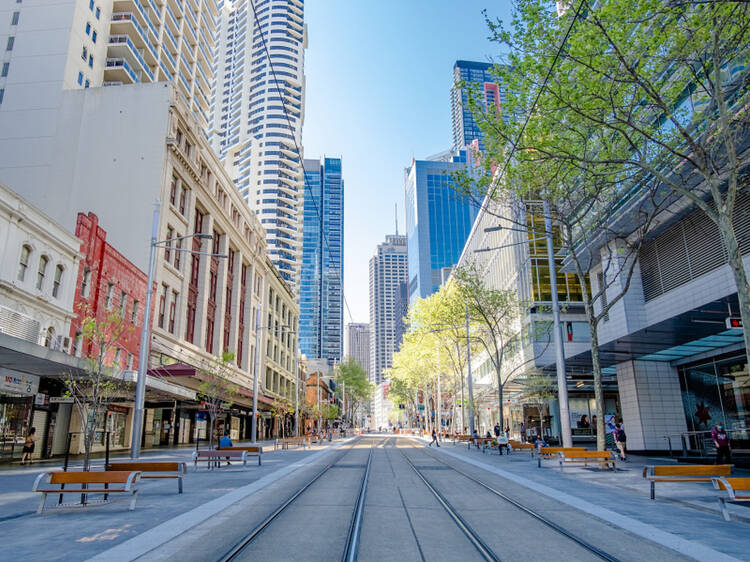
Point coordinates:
[[601, 436], [740, 275], [500, 400]]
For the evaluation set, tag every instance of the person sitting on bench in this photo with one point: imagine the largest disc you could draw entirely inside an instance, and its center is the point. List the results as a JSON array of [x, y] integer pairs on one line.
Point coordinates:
[[226, 441]]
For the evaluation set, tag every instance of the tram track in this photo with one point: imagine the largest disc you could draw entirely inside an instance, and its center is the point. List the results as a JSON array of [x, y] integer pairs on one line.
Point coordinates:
[[483, 549], [351, 546]]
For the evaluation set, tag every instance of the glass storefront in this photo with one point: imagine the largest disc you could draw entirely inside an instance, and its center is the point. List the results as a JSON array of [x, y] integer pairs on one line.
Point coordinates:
[[717, 391]]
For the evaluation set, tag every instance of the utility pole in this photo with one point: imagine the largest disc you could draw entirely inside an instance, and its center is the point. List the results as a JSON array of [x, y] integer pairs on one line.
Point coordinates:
[[254, 420], [562, 382]]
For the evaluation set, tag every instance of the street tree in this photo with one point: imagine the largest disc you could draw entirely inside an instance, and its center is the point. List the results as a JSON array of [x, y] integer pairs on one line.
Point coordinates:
[[352, 379], [217, 391], [101, 381], [280, 409]]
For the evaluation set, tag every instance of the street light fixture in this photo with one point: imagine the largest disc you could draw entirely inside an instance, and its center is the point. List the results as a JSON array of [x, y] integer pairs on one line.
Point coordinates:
[[144, 350]]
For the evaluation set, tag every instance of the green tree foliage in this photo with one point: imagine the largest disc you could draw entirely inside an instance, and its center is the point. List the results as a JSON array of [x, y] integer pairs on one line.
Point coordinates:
[[101, 380], [217, 391], [352, 378]]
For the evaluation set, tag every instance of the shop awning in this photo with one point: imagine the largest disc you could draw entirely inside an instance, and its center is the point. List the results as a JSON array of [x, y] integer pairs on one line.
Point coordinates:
[[160, 386], [26, 357]]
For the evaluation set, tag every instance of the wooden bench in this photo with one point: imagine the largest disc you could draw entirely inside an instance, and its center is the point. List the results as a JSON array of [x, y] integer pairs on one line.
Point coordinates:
[[586, 457], [126, 481], [732, 487], [287, 441], [553, 452], [517, 445], [153, 470], [251, 450], [485, 441], [214, 457], [684, 473]]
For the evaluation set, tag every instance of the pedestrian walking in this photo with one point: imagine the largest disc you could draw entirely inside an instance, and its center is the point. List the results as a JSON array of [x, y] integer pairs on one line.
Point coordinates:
[[434, 439], [522, 428], [718, 435], [621, 441], [28, 446]]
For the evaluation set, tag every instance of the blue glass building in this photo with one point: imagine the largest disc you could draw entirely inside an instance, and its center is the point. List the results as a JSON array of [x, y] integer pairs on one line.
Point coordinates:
[[321, 289], [438, 221]]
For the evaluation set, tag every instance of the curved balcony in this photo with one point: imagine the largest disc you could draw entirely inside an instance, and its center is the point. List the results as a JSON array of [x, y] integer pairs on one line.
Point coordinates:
[[118, 70], [121, 46]]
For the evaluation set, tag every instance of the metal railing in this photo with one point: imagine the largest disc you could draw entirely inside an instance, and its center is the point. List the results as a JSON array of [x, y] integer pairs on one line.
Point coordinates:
[[700, 443]]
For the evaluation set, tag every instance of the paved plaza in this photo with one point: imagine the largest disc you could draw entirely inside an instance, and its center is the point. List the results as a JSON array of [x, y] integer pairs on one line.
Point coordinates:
[[400, 518]]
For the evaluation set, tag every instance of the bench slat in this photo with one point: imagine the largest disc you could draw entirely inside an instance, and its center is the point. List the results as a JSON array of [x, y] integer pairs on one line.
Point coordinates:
[[160, 466], [691, 470], [110, 477]]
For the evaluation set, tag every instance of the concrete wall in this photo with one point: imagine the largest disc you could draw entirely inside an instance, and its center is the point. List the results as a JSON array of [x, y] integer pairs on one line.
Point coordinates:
[[81, 158], [651, 403]]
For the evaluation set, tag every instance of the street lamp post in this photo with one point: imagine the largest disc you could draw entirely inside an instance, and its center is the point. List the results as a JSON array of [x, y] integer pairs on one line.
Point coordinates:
[[254, 420], [439, 417], [145, 345]]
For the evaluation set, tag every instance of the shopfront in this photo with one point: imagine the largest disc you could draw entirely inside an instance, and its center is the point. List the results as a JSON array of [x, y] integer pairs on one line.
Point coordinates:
[[718, 391], [17, 394]]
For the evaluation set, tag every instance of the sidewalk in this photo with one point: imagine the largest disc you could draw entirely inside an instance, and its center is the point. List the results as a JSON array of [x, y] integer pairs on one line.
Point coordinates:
[[688, 511], [78, 534]]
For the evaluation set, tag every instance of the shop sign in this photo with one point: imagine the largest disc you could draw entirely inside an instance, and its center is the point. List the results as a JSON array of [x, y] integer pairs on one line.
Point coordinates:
[[21, 384], [61, 400], [40, 399], [118, 409]]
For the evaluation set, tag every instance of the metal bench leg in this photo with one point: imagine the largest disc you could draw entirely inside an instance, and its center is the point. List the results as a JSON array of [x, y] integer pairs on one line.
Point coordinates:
[[179, 484], [132, 501], [41, 503], [258, 460], [724, 510], [653, 490], [538, 461]]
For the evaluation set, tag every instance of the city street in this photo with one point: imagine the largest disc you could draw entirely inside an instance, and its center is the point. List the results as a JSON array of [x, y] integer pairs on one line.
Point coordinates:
[[419, 504]]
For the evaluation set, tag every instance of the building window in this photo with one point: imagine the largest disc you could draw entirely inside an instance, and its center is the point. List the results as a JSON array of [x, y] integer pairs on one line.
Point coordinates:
[[173, 190], [134, 312], [162, 305], [9, 45], [57, 281], [209, 334], [77, 341], [14, 18], [88, 28], [23, 263], [110, 295], [183, 200], [6, 67], [41, 272], [2, 94], [130, 361], [168, 246], [172, 309], [118, 352], [84, 53], [86, 84], [80, 78], [98, 13], [123, 304], [91, 61], [86, 282], [91, 5], [93, 36], [49, 338], [178, 253]]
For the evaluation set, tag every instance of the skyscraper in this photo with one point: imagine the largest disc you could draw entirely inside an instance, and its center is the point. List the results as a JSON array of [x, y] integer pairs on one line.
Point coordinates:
[[70, 44], [321, 287], [388, 268], [479, 76], [358, 344], [438, 221], [257, 116]]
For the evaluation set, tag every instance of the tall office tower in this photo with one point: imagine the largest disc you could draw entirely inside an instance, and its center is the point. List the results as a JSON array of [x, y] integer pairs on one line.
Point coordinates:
[[69, 44], [388, 268], [479, 76], [358, 344], [257, 116], [438, 221], [321, 288]]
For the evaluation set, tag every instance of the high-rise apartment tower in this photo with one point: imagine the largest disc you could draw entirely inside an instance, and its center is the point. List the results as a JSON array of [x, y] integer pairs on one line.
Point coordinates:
[[476, 77], [388, 268], [321, 287], [54, 46], [358, 344], [257, 115]]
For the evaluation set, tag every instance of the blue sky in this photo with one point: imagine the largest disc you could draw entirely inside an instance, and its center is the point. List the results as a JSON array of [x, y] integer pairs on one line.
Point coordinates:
[[378, 94]]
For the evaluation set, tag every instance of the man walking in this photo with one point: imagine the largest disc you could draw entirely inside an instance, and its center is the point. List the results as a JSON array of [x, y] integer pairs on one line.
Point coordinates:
[[721, 440], [621, 441], [497, 430]]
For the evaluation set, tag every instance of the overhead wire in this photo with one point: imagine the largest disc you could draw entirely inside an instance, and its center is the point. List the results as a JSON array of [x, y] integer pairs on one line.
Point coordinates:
[[318, 209]]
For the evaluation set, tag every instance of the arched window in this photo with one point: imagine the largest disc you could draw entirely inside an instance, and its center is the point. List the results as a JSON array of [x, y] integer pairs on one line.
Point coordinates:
[[58, 280], [50, 337], [42, 271], [23, 263]]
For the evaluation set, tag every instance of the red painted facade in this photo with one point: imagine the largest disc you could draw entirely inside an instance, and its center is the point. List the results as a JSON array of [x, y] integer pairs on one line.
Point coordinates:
[[106, 275]]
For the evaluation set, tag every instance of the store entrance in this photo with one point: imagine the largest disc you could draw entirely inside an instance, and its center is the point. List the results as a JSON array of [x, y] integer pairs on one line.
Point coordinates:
[[14, 424]]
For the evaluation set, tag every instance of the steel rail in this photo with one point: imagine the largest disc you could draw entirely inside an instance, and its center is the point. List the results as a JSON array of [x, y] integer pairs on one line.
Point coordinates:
[[250, 537], [355, 528], [541, 518], [484, 550]]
